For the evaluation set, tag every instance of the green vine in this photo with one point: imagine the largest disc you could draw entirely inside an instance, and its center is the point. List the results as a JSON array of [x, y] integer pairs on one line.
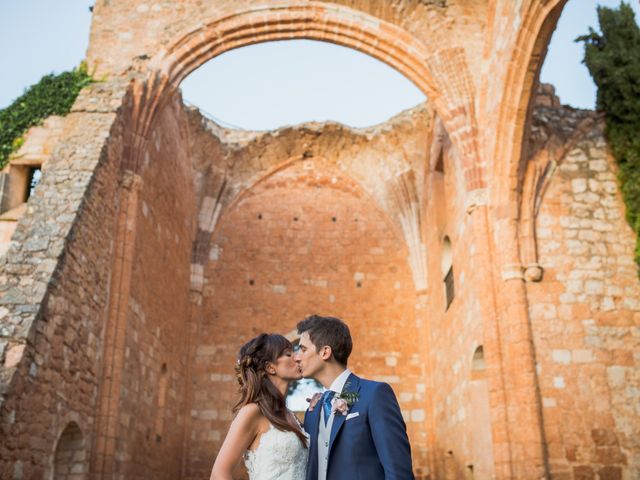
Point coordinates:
[[52, 95], [613, 60]]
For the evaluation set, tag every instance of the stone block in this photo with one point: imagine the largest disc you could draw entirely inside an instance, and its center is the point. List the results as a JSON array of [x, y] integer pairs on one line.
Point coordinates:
[[582, 356], [578, 185], [561, 356], [417, 415], [583, 472], [594, 287], [610, 473], [13, 355], [616, 375]]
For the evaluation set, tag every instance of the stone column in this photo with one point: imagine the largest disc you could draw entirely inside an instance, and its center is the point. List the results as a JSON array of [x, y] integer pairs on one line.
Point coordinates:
[[422, 320], [106, 434], [517, 428]]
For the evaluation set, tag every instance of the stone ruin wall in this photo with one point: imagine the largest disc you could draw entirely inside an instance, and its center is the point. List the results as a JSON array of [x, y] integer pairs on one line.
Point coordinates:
[[460, 434], [585, 313], [585, 345], [88, 222], [55, 287], [301, 236], [153, 391]]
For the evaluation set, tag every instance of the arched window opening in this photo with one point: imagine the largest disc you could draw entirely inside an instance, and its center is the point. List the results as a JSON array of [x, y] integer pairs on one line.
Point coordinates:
[[447, 271], [162, 400], [69, 461], [300, 81], [478, 365], [480, 424]]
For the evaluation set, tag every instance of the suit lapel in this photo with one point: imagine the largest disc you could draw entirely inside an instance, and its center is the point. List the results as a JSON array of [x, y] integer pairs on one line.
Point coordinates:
[[351, 385], [315, 421]]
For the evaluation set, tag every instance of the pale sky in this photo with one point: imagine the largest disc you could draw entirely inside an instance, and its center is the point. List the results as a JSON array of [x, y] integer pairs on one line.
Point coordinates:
[[269, 85]]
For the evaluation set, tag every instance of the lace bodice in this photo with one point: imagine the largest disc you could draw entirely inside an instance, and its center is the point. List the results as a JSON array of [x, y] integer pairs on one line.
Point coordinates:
[[279, 456]]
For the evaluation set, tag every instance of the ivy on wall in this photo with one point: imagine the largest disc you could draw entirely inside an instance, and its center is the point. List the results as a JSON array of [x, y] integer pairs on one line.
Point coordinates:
[[613, 60], [52, 95]]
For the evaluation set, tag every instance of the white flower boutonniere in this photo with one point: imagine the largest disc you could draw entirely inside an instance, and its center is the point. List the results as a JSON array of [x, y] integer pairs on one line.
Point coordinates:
[[340, 406], [344, 401]]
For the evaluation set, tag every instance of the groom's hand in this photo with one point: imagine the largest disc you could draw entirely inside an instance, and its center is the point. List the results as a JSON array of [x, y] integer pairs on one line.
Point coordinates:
[[314, 400]]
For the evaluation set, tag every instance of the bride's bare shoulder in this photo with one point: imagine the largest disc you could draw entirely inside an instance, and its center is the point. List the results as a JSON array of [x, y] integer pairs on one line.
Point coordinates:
[[250, 419], [249, 413], [250, 409]]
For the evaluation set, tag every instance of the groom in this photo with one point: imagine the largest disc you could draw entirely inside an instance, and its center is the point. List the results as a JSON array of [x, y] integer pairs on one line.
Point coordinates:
[[356, 427]]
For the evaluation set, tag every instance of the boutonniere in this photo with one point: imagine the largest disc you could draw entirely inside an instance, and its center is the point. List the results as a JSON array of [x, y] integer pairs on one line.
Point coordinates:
[[344, 401]]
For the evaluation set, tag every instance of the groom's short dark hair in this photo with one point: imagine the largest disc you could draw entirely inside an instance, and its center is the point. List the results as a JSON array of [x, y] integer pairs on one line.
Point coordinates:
[[329, 331]]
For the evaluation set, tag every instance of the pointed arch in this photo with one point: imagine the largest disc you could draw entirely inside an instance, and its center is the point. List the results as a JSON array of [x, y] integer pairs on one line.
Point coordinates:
[[319, 21], [69, 460]]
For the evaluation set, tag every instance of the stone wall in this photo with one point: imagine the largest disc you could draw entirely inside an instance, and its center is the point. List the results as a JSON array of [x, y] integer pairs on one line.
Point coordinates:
[[459, 420], [141, 265], [34, 152], [302, 229], [585, 312], [151, 417], [477, 62], [54, 289]]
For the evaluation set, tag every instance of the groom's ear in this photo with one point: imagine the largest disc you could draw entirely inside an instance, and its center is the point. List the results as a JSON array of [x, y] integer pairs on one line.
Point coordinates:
[[326, 352]]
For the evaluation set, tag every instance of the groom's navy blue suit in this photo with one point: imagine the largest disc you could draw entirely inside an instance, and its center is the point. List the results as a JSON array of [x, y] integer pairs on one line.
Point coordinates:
[[372, 445]]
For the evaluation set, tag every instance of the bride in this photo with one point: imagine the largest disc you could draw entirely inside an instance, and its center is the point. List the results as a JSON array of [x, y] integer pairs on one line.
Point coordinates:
[[264, 431]]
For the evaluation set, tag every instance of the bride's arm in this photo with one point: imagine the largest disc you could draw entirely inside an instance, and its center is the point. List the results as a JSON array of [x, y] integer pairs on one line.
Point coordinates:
[[242, 432]]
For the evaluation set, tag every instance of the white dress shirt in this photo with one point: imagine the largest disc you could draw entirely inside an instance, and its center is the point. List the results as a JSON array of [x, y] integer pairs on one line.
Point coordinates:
[[338, 383]]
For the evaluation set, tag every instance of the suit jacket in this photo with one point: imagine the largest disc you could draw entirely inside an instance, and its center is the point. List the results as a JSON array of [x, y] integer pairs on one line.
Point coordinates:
[[372, 445]]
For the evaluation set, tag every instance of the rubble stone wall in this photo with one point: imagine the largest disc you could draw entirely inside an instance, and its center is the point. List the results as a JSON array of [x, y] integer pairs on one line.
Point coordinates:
[[585, 313], [54, 291]]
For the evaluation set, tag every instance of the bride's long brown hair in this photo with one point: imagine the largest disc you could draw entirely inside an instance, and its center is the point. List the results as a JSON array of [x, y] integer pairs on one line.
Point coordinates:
[[255, 386]]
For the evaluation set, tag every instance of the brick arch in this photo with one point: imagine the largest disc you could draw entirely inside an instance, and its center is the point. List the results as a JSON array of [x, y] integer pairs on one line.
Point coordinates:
[[310, 20], [313, 20], [534, 35]]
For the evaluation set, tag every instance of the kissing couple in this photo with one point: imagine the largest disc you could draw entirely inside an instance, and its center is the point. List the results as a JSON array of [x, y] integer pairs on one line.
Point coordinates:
[[353, 431]]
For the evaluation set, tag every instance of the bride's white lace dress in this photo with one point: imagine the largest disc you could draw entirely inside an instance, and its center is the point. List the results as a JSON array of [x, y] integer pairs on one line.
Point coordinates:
[[279, 456]]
